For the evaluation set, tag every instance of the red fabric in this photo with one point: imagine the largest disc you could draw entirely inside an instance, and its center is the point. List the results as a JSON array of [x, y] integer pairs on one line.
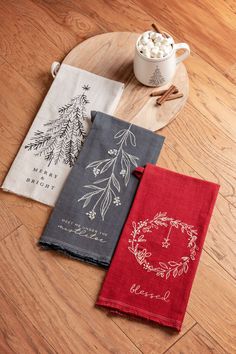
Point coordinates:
[[154, 265]]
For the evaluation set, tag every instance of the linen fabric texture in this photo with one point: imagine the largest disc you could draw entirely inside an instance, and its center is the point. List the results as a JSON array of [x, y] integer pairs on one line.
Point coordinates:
[[95, 201], [156, 259], [56, 136]]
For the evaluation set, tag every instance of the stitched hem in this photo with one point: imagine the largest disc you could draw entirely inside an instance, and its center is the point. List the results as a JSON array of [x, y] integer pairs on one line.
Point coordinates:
[[26, 195], [73, 252], [123, 308]]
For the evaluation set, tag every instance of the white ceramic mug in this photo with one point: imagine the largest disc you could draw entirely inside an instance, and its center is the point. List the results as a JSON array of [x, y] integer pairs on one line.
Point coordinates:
[[158, 71]]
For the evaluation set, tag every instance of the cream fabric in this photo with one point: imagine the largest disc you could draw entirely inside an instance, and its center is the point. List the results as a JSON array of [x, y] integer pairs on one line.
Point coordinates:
[[56, 136]]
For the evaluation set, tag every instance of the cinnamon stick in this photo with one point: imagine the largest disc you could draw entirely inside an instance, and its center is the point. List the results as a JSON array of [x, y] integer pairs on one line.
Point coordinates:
[[161, 92], [158, 31], [156, 28], [165, 35], [162, 99], [174, 97]]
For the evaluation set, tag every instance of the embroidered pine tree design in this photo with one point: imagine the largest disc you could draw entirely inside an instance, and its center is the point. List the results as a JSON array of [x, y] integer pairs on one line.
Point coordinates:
[[156, 78], [64, 137]]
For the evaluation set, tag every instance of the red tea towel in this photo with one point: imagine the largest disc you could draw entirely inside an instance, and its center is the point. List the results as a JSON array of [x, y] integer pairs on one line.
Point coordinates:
[[154, 265]]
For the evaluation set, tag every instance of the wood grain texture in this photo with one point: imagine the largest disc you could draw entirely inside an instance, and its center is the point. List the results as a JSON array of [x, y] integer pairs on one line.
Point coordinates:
[[60, 309], [212, 94], [113, 58], [47, 299], [213, 302], [73, 26], [230, 73], [196, 341], [16, 332], [201, 24], [17, 31], [8, 221], [204, 147]]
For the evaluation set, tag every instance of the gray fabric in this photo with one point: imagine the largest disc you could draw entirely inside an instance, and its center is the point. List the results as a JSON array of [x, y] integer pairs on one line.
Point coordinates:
[[97, 196]]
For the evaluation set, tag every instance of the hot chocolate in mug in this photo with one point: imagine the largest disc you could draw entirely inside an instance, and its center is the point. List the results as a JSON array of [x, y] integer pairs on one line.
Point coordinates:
[[158, 71]]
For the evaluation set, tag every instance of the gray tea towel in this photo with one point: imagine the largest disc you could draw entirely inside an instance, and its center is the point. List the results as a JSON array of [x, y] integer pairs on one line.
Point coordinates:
[[56, 136], [97, 196]]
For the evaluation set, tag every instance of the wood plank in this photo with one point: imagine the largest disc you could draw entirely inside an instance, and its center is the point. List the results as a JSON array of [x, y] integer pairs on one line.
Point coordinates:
[[8, 221], [47, 25], [31, 214], [17, 335], [197, 340], [150, 338], [17, 113], [230, 73], [17, 32], [66, 306], [197, 141], [115, 16], [212, 94], [3, 172], [55, 304], [11, 140], [213, 302], [220, 241], [209, 24], [73, 26]]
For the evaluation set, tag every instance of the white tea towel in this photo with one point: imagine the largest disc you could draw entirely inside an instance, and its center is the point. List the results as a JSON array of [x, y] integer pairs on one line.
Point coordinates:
[[56, 136]]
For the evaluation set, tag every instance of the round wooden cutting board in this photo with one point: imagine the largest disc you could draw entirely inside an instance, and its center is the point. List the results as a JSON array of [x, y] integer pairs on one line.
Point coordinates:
[[111, 55]]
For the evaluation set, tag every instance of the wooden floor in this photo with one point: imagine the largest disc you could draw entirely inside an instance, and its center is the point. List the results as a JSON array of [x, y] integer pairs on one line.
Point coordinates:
[[47, 301]]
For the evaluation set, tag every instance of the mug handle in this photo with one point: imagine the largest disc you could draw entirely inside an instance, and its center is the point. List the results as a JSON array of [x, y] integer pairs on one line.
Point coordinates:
[[186, 53]]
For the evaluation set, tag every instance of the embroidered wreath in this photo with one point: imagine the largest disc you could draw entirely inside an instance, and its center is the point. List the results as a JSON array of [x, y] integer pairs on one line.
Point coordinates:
[[164, 269]]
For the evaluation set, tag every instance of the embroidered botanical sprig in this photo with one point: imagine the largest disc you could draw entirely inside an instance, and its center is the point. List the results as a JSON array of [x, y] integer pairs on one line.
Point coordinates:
[[164, 269], [64, 137], [105, 190]]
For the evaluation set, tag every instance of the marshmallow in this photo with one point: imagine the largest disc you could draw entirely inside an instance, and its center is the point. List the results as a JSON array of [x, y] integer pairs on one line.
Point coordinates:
[[158, 38], [160, 54], [144, 40], [154, 51], [147, 33], [162, 47], [155, 45], [164, 41], [140, 47], [154, 35], [150, 44], [146, 52]]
